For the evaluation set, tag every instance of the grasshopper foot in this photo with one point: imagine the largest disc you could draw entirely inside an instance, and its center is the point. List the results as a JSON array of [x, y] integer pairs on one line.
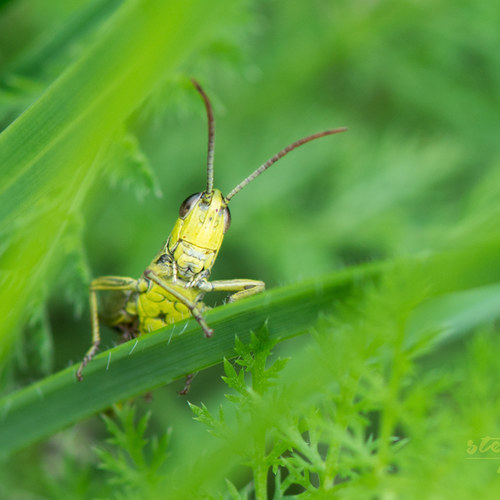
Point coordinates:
[[86, 360], [187, 385]]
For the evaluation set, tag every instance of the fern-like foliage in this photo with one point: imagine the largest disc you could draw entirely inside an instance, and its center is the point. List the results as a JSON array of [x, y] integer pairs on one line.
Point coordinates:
[[134, 462]]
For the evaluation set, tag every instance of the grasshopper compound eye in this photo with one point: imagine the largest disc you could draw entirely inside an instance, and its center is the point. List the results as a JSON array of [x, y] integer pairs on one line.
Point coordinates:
[[188, 204]]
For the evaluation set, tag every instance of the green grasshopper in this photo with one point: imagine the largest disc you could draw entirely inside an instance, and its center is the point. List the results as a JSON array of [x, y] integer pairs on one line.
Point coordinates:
[[173, 285]]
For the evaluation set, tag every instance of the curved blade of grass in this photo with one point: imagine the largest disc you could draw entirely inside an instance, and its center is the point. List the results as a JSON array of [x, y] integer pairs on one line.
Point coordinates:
[[50, 155], [160, 357]]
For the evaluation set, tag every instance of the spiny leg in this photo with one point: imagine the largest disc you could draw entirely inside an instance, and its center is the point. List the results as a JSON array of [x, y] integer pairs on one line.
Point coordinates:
[[242, 287], [110, 283], [96, 337], [193, 308]]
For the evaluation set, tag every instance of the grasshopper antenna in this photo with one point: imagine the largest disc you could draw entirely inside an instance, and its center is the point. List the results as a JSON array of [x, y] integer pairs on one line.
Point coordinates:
[[279, 155], [211, 138]]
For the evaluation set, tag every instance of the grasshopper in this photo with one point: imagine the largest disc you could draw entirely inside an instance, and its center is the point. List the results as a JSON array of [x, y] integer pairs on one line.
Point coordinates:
[[173, 285]]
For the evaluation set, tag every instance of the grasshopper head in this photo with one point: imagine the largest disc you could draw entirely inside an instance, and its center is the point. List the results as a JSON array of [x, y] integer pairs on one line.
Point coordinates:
[[203, 219], [197, 235]]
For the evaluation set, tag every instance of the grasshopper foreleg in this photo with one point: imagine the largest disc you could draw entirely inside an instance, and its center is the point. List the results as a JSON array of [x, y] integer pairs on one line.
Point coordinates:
[[181, 298], [242, 288], [109, 283]]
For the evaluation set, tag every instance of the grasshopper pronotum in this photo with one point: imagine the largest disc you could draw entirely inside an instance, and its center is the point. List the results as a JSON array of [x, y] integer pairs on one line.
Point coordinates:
[[173, 285]]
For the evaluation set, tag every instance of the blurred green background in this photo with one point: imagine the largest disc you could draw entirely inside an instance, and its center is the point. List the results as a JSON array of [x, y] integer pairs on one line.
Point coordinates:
[[417, 83]]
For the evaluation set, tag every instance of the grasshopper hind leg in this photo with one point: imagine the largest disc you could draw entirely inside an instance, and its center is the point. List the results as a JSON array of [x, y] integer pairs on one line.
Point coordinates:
[[96, 337], [105, 283]]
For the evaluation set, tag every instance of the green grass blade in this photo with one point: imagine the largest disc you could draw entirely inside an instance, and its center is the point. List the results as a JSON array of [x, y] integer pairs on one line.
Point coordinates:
[[160, 357], [163, 356], [50, 155]]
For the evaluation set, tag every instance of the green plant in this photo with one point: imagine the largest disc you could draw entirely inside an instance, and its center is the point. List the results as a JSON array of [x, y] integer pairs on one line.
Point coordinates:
[[348, 418], [380, 252], [135, 467]]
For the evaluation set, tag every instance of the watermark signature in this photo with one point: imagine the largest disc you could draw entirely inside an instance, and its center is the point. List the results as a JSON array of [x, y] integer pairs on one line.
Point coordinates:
[[486, 448]]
